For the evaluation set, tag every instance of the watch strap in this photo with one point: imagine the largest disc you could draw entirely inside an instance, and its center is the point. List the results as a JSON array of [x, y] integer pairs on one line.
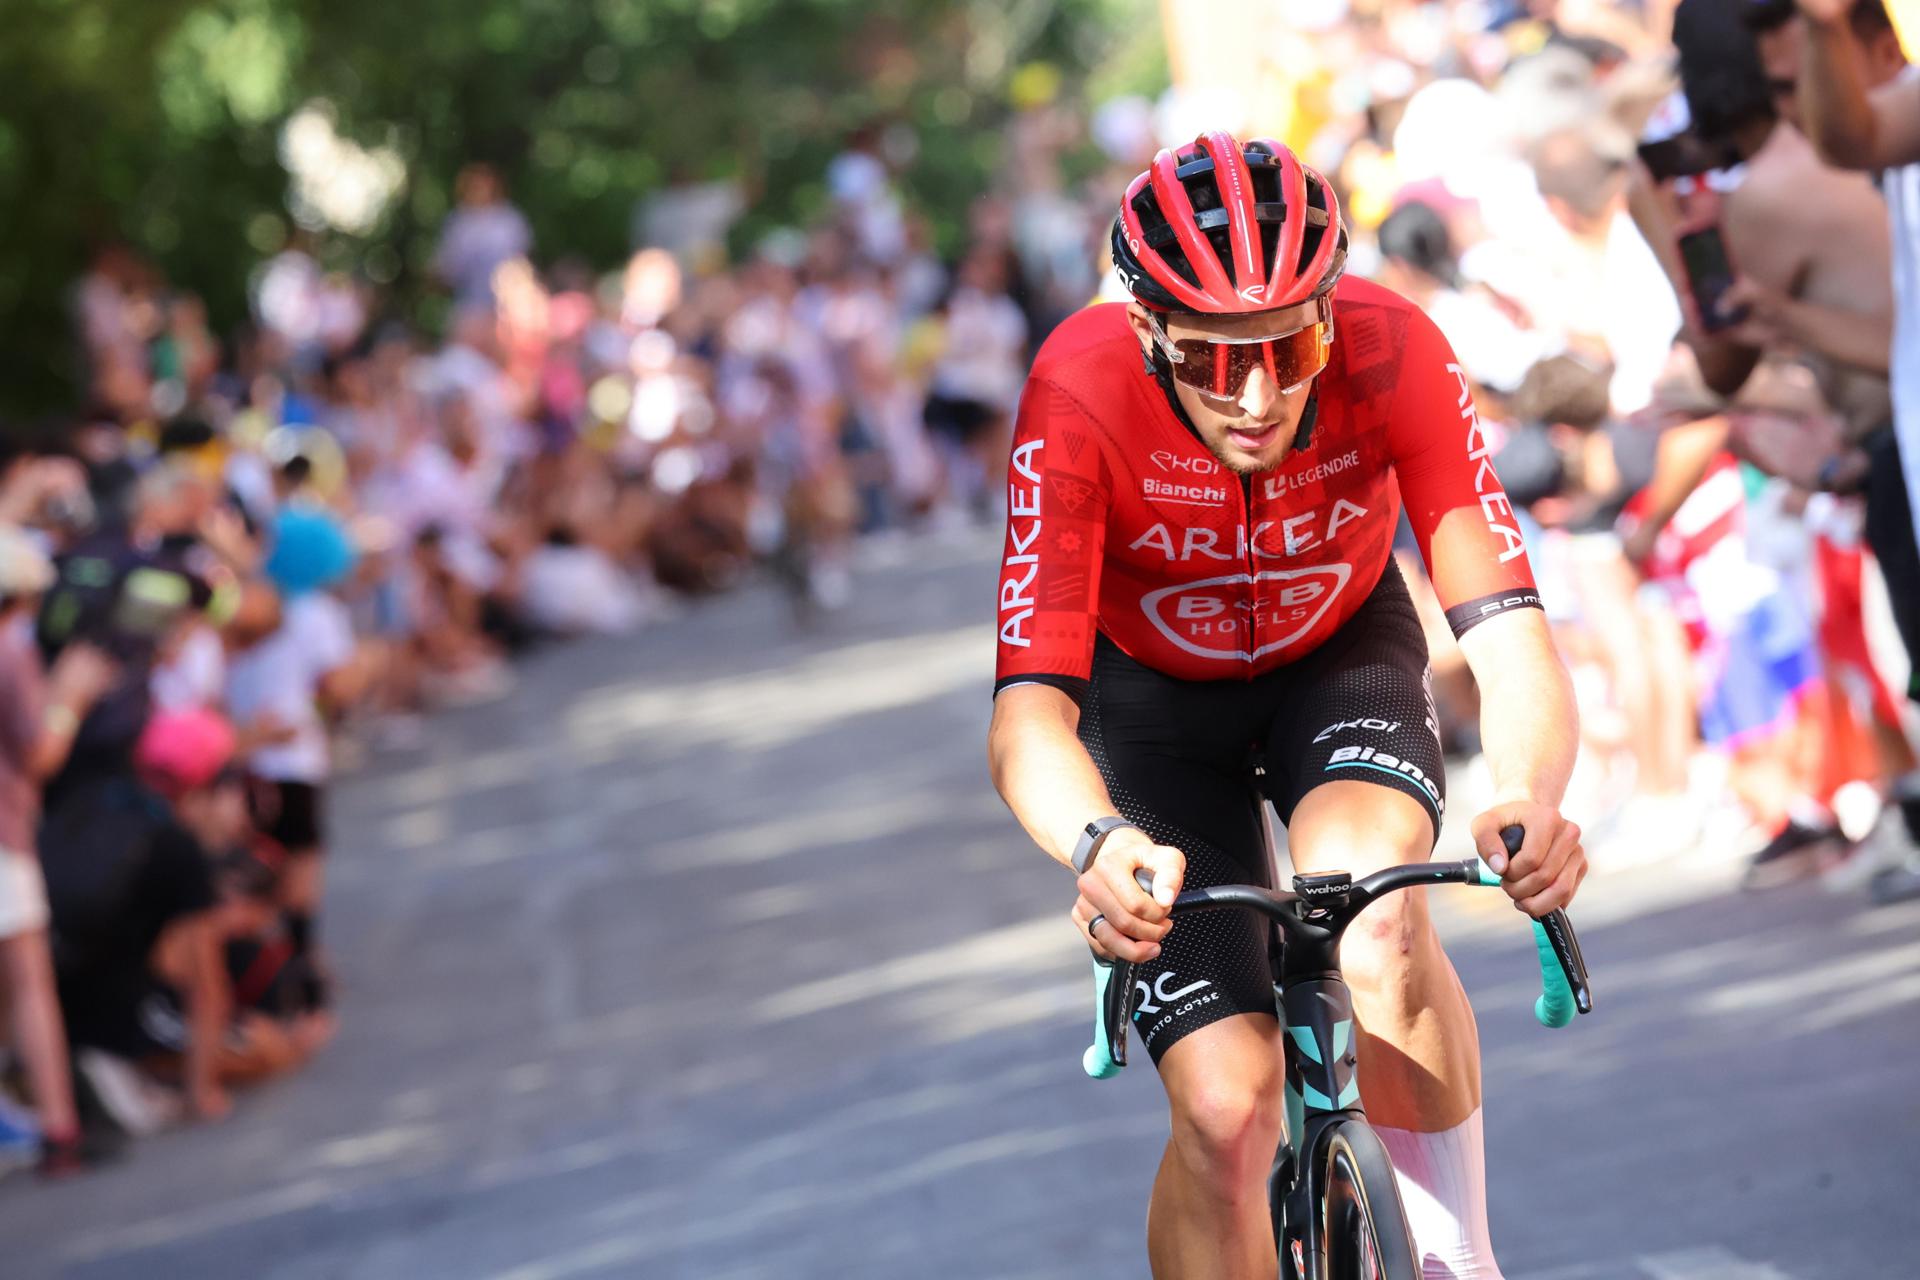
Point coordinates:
[[1087, 848]]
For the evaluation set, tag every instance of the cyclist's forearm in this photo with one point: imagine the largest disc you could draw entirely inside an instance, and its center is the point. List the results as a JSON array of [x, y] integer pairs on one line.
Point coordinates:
[[1041, 770], [1529, 724]]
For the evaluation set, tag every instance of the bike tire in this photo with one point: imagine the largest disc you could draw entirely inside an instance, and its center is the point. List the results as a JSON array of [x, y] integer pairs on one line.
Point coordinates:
[[1363, 1223]]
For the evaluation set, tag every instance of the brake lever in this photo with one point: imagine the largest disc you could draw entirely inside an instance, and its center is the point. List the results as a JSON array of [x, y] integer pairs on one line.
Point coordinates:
[[1563, 970]]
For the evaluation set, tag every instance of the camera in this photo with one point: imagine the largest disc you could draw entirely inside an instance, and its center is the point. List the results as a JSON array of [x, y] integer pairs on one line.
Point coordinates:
[[124, 609], [1686, 155]]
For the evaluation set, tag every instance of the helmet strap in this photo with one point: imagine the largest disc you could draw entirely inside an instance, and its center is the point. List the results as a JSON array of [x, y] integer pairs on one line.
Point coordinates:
[[1303, 438], [1161, 370]]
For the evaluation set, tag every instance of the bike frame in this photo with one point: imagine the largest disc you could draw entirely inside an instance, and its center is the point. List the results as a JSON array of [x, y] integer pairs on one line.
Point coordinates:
[[1315, 1009], [1318, 1040]]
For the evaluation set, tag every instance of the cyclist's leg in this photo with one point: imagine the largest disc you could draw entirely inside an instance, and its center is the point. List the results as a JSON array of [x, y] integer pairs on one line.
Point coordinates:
[[1173, 755], [1355, 769], [1419, 1058], [1209, 1214]]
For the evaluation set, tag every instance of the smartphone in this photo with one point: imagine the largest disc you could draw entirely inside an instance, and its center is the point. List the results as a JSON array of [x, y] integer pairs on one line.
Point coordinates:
[[1684, 155], [1703, 253]]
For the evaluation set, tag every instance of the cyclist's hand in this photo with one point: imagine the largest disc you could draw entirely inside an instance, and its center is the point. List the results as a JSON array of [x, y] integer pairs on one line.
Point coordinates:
[[1135, 921], [1547, 871]]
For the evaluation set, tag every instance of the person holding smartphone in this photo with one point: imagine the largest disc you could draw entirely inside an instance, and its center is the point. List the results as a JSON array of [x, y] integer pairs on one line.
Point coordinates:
[[1861, 101], [1803, 269], [1774, 248]]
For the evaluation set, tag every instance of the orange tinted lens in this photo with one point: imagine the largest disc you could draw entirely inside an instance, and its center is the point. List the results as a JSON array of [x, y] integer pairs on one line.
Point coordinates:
[[1220, 369]]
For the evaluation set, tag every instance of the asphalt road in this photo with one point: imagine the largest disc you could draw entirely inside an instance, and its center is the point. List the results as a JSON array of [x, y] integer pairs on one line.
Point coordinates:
[[710, 955]]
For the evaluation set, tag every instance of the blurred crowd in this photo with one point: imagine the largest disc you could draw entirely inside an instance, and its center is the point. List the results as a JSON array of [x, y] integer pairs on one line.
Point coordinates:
[[1677, 310], [255, 555]]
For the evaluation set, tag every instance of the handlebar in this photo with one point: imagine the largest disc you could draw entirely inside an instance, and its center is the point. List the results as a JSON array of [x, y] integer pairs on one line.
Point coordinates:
[[1563, 971]]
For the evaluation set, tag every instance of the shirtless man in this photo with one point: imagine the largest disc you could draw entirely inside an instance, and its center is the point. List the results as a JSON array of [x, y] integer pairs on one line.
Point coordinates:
[[1861, 101], [1812, 246], [1810, 241]]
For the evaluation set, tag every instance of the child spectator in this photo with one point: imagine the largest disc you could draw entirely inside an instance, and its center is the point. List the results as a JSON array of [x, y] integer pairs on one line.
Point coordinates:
[[136, 934], [291, 658]]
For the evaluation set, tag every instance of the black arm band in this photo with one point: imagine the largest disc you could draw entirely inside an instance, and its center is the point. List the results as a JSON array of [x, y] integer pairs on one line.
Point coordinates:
[[1073, 686], [1465, 617]]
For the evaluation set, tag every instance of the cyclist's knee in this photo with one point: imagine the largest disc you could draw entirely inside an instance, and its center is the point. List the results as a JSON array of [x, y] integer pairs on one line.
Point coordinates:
[[1383, 945], [1359, 828], [1227, 1127]]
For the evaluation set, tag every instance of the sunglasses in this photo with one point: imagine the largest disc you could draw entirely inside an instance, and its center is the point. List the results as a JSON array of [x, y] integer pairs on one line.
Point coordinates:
[[1219, 367]]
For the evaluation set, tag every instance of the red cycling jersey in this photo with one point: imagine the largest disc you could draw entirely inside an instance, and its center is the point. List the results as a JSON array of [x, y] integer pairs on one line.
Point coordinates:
[[1120, 521]]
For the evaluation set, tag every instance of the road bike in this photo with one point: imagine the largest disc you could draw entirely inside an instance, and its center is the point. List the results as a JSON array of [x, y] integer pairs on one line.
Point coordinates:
[[1335, 1205]]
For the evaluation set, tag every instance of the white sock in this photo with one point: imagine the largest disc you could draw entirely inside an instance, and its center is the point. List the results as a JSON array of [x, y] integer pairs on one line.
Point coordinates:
[[1443, 1183]]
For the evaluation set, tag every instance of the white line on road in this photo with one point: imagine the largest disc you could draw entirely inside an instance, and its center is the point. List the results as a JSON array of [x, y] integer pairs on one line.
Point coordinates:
[[1708, 1263]]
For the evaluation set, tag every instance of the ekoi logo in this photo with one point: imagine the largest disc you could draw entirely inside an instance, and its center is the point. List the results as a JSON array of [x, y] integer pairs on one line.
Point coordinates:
[[1168, 460], [1242, 618]]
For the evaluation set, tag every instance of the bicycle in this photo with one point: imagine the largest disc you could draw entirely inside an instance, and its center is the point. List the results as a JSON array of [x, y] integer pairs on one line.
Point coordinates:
[[1336, 1210]]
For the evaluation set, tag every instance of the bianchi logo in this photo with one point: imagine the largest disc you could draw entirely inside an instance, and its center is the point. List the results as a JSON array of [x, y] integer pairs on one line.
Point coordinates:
[[1193, 495], [1369, 758], [1223, 617]]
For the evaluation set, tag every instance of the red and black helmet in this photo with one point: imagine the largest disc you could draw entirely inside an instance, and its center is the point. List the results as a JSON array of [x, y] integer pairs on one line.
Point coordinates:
[[1224, 229]]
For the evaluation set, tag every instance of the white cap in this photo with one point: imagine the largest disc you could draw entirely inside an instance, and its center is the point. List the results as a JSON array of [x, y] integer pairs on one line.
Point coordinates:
[[24, 567]]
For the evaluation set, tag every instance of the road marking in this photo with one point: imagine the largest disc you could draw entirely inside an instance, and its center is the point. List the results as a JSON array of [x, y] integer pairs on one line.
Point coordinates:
[[1709, 1263]]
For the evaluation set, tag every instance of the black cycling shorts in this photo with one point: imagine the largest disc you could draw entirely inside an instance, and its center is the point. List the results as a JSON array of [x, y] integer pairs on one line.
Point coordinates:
[[1178, 757], [292, 814], [1890, 534]]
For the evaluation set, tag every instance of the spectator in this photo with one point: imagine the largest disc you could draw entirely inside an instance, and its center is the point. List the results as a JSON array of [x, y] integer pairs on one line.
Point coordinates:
[[483, 232], [1812, 244], [1861, 103], [135, 938], [977, 378], [293, 660], [39, 714]]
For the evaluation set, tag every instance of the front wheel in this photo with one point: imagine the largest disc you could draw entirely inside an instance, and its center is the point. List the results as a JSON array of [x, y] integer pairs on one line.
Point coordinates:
[[1364, 1225]]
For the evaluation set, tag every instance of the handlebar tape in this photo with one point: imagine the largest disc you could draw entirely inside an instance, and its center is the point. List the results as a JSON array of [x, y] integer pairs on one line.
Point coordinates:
[[1098, 1059], [1554, 1008]]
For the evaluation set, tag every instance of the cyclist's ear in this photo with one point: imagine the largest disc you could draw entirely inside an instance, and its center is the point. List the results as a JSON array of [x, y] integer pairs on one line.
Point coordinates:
[[1140, 320]]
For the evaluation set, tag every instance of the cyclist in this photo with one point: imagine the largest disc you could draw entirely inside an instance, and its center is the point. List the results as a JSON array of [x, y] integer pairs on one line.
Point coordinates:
[[1203, 494]]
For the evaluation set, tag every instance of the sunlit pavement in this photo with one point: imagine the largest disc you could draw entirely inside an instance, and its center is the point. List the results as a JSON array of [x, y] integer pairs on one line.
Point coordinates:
[[710, 955]]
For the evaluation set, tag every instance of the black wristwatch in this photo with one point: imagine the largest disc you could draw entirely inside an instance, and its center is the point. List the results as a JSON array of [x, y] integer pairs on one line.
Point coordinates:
[[1087, 848]]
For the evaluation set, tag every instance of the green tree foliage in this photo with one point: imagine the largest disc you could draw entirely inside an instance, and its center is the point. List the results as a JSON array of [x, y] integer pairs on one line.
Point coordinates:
[[158, 122]]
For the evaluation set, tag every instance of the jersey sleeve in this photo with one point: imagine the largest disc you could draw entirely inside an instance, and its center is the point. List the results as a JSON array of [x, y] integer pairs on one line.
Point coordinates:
[[1459, 511], [1058, 494]]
